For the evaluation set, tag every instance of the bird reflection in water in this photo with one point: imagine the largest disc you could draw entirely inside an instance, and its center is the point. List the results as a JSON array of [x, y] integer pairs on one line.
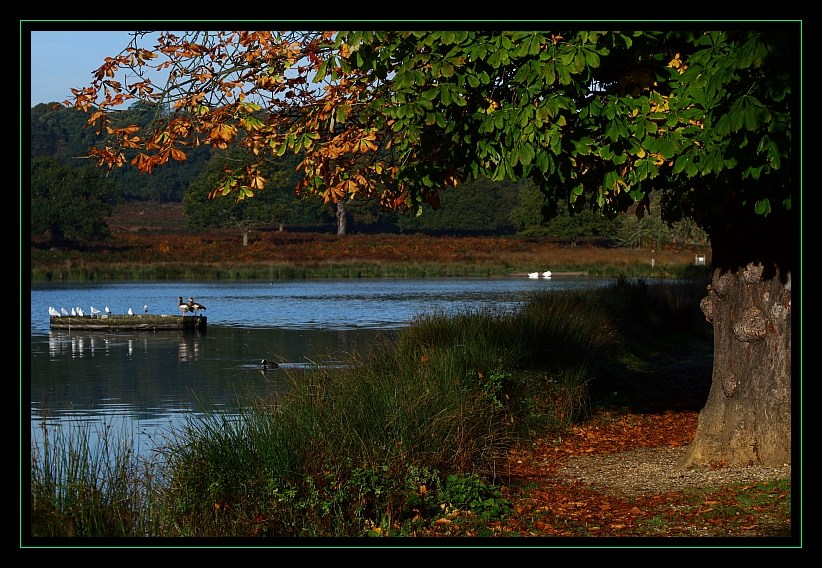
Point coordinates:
[[188, 350]]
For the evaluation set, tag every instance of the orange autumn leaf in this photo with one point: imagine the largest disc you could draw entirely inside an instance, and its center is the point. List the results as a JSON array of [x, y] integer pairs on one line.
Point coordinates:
[[141, 162], [221, 135], [366, 144], [257, 181], [178, 154]]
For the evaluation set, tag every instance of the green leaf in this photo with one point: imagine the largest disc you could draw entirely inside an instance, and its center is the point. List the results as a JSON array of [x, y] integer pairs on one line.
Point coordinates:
[[610, 180], [542, 161], [591, 58], [644, 169], [763, 206], [445, 94], [549, 75], [583, 146], [280, 150], [564, 76], [499, 173], [556, 142], [430, 94], [667, 147], [535, 44], [509, 169], [691, 169], [736, 116], [755, 113], [526, 154], [681, 163]]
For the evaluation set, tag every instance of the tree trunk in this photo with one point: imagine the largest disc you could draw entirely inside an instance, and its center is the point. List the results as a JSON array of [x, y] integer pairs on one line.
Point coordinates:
[[340, 218], [747, 417], [245, 237]]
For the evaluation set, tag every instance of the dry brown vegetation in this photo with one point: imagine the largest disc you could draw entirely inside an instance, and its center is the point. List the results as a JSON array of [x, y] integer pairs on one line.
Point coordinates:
[[156, 233]]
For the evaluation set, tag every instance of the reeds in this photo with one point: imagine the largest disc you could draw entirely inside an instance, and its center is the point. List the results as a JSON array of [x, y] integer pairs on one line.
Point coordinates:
[[89, 483]]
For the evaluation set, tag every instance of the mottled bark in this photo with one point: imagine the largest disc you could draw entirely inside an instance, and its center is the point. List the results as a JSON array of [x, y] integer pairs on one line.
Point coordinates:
[[747, 417]]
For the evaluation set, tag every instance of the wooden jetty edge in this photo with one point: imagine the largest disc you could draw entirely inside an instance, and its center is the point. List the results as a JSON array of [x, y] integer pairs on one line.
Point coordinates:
[[125, 322]]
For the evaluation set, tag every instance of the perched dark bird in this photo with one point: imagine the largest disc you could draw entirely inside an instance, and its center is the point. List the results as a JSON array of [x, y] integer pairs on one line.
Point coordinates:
[[185, 308], [194, 306]]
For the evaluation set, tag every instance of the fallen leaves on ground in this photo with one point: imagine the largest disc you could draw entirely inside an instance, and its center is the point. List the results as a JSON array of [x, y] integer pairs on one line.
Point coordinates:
[[545, 504]]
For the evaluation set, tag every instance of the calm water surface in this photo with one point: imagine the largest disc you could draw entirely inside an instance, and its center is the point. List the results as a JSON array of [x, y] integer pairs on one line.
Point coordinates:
[[146, 384]]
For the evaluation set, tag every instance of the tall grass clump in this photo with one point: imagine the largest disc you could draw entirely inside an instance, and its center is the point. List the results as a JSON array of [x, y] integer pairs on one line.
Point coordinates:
[[85, 489], [535, 362], [344, 452]]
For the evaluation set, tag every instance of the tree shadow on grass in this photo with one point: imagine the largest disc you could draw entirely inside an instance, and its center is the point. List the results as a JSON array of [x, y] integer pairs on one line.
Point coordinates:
[[676, 379]]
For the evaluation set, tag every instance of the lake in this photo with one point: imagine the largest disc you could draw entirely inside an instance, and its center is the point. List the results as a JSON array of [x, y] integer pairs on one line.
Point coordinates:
[[145, 384]]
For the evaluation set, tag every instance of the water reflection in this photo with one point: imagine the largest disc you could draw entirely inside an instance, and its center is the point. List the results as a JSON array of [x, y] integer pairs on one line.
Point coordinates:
[[148, 375]]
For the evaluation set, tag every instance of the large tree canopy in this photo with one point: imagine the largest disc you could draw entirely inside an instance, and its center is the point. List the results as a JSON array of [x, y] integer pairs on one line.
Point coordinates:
[[597, 119]]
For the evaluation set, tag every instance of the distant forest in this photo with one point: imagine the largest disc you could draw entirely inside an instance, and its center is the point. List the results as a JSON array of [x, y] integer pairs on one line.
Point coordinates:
[[480, 207]]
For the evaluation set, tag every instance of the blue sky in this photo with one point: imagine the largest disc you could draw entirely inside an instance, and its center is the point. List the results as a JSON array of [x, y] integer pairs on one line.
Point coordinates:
[[61, 60]]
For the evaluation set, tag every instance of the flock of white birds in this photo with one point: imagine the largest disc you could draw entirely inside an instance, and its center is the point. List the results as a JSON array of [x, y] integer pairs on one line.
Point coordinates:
[[93, 312], [186, 307]]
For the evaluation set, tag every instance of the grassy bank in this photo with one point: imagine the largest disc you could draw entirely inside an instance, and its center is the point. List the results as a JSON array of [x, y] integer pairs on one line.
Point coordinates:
[[413, 431]]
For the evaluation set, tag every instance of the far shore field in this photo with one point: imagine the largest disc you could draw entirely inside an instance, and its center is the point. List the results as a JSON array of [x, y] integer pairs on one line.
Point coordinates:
[[151, 241]]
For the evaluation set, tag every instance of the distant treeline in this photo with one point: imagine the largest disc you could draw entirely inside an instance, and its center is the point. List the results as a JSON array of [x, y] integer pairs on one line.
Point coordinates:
[[60, 139]]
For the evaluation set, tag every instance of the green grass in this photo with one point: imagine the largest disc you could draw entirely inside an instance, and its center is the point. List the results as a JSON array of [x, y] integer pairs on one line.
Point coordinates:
[[733, 508]]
